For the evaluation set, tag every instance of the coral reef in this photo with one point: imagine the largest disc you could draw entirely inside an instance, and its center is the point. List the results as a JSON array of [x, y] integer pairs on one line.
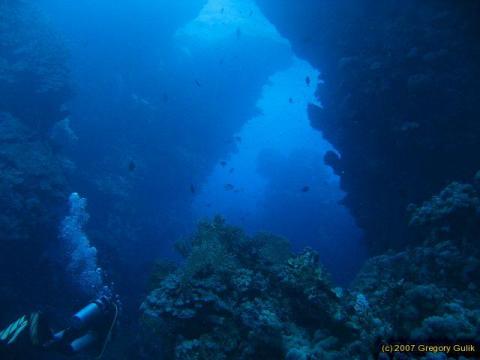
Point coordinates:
[[400, 99], [31, 181], [452, 214], [33, 88], [32, 194], [429, 292], [249, 297], [246, 297]]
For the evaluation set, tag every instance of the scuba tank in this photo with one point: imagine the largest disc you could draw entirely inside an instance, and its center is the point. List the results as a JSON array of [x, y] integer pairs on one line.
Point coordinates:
[[84, 342], [90, 328], [91, 313]]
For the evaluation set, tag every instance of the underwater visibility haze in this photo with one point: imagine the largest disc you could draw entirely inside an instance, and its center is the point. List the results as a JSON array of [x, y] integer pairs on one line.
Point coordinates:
[[240, 179]]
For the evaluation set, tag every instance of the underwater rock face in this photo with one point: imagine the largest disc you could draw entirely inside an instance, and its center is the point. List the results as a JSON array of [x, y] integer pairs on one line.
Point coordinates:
[[400, 99], [31, 180], [33, 89], [32, 194]]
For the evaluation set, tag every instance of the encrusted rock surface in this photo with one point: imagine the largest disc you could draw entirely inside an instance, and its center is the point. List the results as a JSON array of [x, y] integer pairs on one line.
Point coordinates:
[[32, 198], [33, 186], [34, 77]]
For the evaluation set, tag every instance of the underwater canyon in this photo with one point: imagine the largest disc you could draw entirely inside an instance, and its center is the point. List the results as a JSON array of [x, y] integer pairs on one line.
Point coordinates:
[[268, 179]]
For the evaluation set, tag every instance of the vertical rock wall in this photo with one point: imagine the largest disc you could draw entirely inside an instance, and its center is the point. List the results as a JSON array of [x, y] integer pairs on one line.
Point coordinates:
[[33, 88]]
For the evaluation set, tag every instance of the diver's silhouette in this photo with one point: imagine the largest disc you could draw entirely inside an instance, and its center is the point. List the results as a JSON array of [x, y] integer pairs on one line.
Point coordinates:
[[89, 331]]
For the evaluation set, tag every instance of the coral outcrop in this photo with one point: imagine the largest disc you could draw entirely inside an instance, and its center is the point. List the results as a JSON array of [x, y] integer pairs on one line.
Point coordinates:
[[246, 297], [424, 293], [452, 214], [240, 297], [430, 292]]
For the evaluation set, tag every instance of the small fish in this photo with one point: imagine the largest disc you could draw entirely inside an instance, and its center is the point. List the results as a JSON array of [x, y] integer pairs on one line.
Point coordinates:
[[290, 100], [223, 163], [192, 189], [251, 13], [307, 80], [229, 187], [132, 166], [231, 170], [238, 138], [198, 83], [305, 189], [165, 98], [222, 10], [239, 33]]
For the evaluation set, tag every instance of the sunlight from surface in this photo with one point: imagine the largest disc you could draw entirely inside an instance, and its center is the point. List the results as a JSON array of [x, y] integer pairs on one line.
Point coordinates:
[[220, 19]]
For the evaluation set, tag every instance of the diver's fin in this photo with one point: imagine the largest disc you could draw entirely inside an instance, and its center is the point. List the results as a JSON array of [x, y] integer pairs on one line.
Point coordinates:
[[11, 333], [40, 332]]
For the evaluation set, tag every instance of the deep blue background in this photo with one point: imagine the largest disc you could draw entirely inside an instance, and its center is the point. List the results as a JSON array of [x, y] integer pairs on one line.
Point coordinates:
[[197, 100]]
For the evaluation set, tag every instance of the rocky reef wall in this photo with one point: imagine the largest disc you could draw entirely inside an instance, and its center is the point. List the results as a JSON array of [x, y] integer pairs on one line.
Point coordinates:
[[400, 99], [33, 88], [34, 77]]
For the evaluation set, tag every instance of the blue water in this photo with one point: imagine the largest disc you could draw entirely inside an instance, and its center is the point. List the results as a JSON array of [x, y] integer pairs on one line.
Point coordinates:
[[200, 96], [145, 143]]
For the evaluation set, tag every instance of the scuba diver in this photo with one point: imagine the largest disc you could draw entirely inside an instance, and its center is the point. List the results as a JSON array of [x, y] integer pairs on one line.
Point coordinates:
[[88, 332]]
